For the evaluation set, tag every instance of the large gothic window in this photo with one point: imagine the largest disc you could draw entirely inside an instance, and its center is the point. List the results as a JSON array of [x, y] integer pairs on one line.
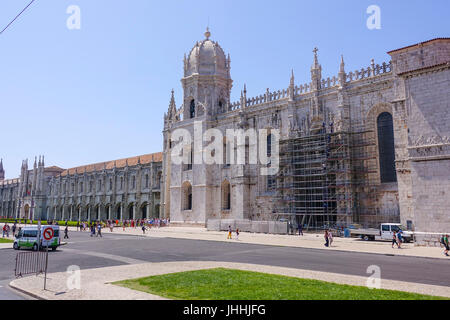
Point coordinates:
[[386, 148], [192, 109], [187, 196], [226, 195], [270, 179]]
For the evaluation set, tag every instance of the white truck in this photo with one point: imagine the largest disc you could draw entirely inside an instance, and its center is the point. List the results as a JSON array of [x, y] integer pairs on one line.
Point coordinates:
[[386, 232]]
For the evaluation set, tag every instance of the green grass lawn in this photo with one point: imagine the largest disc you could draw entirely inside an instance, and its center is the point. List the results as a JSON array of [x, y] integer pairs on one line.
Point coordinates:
[[228, 284], [6, 240]]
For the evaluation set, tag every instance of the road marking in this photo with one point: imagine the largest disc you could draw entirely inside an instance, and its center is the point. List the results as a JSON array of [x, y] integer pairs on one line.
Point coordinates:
[[107, 256]]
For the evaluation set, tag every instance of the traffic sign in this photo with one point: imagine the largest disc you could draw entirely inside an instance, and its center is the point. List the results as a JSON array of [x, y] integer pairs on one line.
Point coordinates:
[[48, 233]]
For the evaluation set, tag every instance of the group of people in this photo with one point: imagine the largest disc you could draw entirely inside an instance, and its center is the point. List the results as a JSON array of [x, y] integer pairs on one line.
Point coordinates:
[[7, 229], [397, 239], [230, 233], [145, 224], [328, 238]]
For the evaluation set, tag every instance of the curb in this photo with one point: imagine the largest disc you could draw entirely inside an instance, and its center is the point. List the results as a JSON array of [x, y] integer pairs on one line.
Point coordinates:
[[30, 294]]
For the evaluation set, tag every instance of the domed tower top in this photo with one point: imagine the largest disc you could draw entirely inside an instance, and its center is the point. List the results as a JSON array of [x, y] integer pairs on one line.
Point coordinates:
[[207, 58]]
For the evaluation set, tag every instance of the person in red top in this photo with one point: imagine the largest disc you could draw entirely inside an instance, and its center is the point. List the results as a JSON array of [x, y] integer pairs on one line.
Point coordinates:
[[6, 230]]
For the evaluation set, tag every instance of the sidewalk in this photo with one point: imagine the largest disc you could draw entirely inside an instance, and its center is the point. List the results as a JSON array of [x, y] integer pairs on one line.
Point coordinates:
[[95, 284]]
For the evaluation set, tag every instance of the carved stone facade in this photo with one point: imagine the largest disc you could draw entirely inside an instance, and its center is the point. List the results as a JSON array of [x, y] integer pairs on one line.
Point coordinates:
[[413, 89], [121, 189]]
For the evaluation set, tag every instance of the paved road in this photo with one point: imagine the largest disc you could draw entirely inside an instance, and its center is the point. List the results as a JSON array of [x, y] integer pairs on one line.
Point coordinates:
[[113, 250]]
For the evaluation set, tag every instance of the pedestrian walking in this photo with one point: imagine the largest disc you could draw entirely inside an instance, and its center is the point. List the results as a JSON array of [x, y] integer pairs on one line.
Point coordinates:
[[330, 238], [300, 229], [237, 234], [99, 230], [229, 233], [143, 228], [66, 232], [327, 239], [14, 227], [78, 225], [444, 242], [399, 238], [92, 230], [394, 239]]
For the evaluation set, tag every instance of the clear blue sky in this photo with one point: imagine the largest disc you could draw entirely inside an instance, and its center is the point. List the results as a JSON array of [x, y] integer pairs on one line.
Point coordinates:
[[99, 93]]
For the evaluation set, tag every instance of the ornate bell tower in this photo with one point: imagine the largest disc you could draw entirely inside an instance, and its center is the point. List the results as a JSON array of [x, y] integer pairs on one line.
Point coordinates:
[[207, 82]]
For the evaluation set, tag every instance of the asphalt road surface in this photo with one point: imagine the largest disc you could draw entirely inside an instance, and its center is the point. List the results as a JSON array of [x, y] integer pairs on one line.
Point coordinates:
[[117, 249]]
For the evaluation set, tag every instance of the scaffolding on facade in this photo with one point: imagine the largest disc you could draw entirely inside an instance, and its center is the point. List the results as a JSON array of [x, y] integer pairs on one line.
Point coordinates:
[[326, 179]]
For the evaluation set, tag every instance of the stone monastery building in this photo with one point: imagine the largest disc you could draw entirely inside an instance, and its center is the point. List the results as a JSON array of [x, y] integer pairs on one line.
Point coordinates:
[[363, 147], [367, 146]]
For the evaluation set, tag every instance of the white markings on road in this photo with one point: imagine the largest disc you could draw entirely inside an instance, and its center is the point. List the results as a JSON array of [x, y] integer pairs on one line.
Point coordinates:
[[107, 256]]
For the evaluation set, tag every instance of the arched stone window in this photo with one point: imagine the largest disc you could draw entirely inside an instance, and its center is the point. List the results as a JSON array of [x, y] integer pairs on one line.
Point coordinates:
[[386, 148], [226, 195], [187, 196], [192, 109], [146, 181], [158, 180]]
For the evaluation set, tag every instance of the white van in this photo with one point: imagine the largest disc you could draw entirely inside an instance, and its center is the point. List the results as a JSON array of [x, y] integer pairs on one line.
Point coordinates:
[[28, 238]]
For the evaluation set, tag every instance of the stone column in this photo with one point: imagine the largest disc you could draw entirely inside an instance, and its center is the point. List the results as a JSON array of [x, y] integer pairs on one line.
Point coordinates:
[[147, 211], [121, 212], [134, 211]]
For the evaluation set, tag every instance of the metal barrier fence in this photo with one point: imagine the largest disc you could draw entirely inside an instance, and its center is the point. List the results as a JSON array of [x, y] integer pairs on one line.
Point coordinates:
[[31, 263]]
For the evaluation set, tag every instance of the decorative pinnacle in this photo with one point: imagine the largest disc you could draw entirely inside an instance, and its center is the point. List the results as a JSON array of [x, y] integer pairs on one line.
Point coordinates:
[[207, 33], [316, 60], [342, 68]]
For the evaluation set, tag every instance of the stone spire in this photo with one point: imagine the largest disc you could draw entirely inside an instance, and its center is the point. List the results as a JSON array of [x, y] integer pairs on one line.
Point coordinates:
[[292, 86], [244, 97], [172, 107], [341, 74], [316, 72], [2, 171]]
